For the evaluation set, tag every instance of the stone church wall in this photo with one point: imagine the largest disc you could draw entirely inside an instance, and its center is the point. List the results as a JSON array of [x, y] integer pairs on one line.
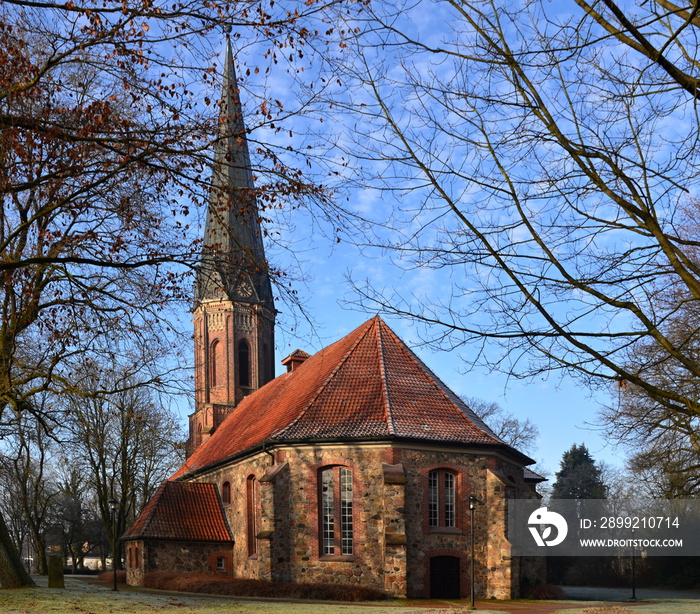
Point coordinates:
[[393, 543], [287, 513], [143, 556]]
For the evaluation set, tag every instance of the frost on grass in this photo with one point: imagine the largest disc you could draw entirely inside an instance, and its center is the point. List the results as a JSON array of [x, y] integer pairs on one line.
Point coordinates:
[[84, 598]]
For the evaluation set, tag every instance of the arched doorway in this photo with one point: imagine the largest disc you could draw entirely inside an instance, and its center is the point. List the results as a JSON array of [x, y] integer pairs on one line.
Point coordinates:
[[444, 577]]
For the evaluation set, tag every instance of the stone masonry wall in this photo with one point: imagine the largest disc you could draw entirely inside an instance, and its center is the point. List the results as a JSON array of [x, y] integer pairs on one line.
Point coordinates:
[[244, 566], [185, 556], [476, 475], [288, 547], [135, 567], [393, 543]]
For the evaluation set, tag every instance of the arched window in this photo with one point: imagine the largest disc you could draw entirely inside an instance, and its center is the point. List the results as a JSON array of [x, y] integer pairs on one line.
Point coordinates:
[[336, 511], [226, 493], [214, 359], [131, 558], [243, 363], [251, 515], [266, 363], [442, 498]]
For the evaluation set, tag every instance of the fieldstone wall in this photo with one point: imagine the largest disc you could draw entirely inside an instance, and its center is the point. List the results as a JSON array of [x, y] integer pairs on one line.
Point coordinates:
[[185, 556], [393, 543], [287, 518], [304, 561], [498, 559], [394, 529], [257, 565], [135, 562], [492, 480], [424, 542]]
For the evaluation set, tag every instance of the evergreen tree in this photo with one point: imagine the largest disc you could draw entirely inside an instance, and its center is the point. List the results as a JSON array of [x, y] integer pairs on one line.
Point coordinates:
[[579, 477]]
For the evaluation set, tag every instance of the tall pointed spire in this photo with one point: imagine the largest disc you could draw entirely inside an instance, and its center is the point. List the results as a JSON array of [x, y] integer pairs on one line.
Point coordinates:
[[234, 315], [233, 266]]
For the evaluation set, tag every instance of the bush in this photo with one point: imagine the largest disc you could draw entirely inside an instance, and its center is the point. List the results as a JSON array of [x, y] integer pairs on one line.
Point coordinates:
[[108, 576], [544, 591], [224, 585]]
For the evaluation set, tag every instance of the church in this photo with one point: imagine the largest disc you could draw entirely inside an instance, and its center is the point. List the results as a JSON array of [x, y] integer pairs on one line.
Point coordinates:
[[356, 465]]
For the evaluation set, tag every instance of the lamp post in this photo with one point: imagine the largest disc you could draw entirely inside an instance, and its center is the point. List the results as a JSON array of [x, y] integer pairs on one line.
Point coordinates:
[[634, 580], [113, 507], [472, 506]]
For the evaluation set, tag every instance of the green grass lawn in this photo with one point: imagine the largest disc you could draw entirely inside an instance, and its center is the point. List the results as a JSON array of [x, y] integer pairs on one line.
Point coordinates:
[[83, 598]]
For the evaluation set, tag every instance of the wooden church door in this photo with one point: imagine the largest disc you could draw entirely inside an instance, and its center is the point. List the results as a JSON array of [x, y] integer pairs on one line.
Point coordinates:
[[444, 577]]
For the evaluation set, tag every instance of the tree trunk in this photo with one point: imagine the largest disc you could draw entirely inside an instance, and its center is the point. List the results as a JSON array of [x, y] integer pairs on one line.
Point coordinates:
[[12, 572], [39, 542]]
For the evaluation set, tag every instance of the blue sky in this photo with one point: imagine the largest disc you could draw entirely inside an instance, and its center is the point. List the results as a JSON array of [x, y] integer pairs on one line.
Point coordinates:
[[564, 413]]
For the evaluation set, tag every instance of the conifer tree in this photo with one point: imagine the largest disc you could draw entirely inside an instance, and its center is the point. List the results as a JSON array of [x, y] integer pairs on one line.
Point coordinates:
[[579, 477]]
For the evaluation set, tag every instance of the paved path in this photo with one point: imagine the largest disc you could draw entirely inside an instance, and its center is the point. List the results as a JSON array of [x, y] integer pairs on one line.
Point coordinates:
[[540, 607], [588, 593]]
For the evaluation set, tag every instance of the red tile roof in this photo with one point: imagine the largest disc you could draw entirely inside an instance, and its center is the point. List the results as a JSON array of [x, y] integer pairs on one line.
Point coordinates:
[[183, 511], [368, 385]]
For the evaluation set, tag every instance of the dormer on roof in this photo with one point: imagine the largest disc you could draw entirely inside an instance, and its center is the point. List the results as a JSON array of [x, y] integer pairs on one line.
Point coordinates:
[[295, 360]]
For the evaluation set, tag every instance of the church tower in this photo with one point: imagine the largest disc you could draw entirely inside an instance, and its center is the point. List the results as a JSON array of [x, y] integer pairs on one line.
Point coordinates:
[[234, 311]]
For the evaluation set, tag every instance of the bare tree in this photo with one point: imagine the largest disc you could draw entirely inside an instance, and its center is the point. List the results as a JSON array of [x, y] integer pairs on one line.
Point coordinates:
[[544, 161], [106, 128], [664, 443], [521, 434], [11, 507], [71, 520], [126, 442], [27, 463], [108, 111], [664, 449]]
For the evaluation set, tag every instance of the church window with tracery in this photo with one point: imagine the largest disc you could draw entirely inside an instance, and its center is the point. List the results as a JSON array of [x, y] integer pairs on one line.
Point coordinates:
[[442, 499], [336, 511]]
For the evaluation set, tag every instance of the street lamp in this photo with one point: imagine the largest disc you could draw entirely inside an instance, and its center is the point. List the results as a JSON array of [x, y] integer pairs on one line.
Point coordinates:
[[472, 506], [113, 507], [634, 580]]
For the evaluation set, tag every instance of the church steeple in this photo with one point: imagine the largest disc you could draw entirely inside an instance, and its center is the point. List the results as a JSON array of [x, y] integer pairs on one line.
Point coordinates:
[[234, 306], [233, 258]]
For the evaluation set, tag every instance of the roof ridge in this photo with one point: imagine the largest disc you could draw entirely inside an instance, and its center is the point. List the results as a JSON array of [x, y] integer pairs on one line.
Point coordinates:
[[159, 494], [325, 383], [447, 393], [153, 503], [385, 384]]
